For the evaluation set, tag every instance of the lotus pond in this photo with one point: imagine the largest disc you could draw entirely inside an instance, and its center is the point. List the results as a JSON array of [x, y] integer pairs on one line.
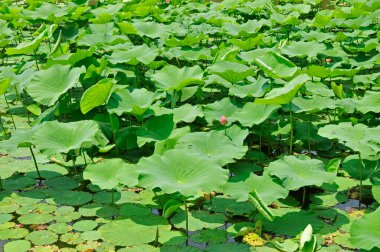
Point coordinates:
[[159, 125]]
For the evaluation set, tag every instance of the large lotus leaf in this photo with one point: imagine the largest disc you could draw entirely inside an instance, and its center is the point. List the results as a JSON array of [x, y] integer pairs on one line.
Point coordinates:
[[109, 173], [213, 145], [286, 93], [48, 85], [267, 187], [130, 232], [136, 102], [254, 88], [18, 245], [303, 49], [134, 55], [198, 220], [276, 65], [245, 29], [71, 198], [254, 114], [231, 71], [155, 129], [20, 138], [224, 107], [27, 47], [152, 29], [358, 137], [96, 95], [369, 103], [352, 166], [180, 171], [292, 223], [42, 237], [173, 78], [297, 172], [55, 137], [70, 58], [365, 232], [312, 104]]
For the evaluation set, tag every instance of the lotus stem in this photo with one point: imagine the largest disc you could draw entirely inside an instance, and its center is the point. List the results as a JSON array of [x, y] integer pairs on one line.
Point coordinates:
[[35, 57], [303, 196], [361, 180], [9, 108], [2, 126], [308, 138], [1, 184], [187, 224], [84, 156], [173, 101], [35, 164], [291, 129], [113, 196]]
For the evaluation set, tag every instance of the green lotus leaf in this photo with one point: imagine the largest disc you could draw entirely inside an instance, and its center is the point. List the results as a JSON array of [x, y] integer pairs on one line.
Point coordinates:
[[210, 236], [376, 192], [296, 172], [5, 217], [276, 65], [358, 137], [180, 171], [110, 173], [62, 183], [17, 183], [43, 237], [72, 238], [312, 104], [129, 210], [85, 225], [293, 223], [96, 95], [303, 49], [13, 233], [286, 93], [46, 86], [198, 220], [227, 247], [254, 88], [224, 107], [352, 166], [155, 129], [365, 232], [269, 188], [19, 246], [186, 113], [138, 232], [135, 102], [173, 78], [254, 113], [231, 71], [27, 47], [60, 228], [56, 137], [245, 29], [135, 55], [71, 198], [230, 207], [70, 58], [35, 218], [20, 138], [214, 145], [369, 103], [151, 29]]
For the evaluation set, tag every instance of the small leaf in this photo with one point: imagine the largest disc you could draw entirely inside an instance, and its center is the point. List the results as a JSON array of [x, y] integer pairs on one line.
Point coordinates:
[[96, 95], [260, 205]]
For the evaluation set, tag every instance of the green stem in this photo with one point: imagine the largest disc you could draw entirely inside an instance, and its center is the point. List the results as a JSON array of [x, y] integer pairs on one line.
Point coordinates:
[[173, 102], [35, 163], [308, 138], [291, 129], [187, 223], [84, 156], [1, 184], [9, 110], [361, 180], [113, 196], [2, 126], [36, 59], [303, 196]]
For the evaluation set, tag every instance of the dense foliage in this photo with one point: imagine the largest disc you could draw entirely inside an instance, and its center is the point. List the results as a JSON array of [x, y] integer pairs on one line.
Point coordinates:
[[190, 125]]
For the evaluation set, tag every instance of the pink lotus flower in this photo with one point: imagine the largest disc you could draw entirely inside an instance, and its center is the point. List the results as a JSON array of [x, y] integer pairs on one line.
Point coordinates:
[[223, 120], [167, 1]]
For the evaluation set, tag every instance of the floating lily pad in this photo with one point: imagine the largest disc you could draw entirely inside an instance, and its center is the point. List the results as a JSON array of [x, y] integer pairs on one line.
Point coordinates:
[[17, 246], [60, 228], [4, 217], [85, 225], [71, 198], [62, 183], [14, 233], [35, 218], [198, 220], [72, 238], [210, 236], [140, 232]]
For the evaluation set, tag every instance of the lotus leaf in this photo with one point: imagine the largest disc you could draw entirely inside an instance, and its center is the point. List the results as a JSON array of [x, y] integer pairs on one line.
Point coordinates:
[[183, 172]]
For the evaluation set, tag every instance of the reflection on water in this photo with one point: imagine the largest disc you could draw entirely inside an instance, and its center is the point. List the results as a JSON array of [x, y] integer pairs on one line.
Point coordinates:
[[352, 203]]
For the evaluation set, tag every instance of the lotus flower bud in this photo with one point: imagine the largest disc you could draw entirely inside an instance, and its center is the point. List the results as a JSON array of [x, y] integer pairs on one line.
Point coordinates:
[[223, 120], [167, 1]]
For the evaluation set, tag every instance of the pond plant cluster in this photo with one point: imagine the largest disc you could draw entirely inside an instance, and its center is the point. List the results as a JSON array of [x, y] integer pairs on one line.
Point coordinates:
[[159, 125]]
